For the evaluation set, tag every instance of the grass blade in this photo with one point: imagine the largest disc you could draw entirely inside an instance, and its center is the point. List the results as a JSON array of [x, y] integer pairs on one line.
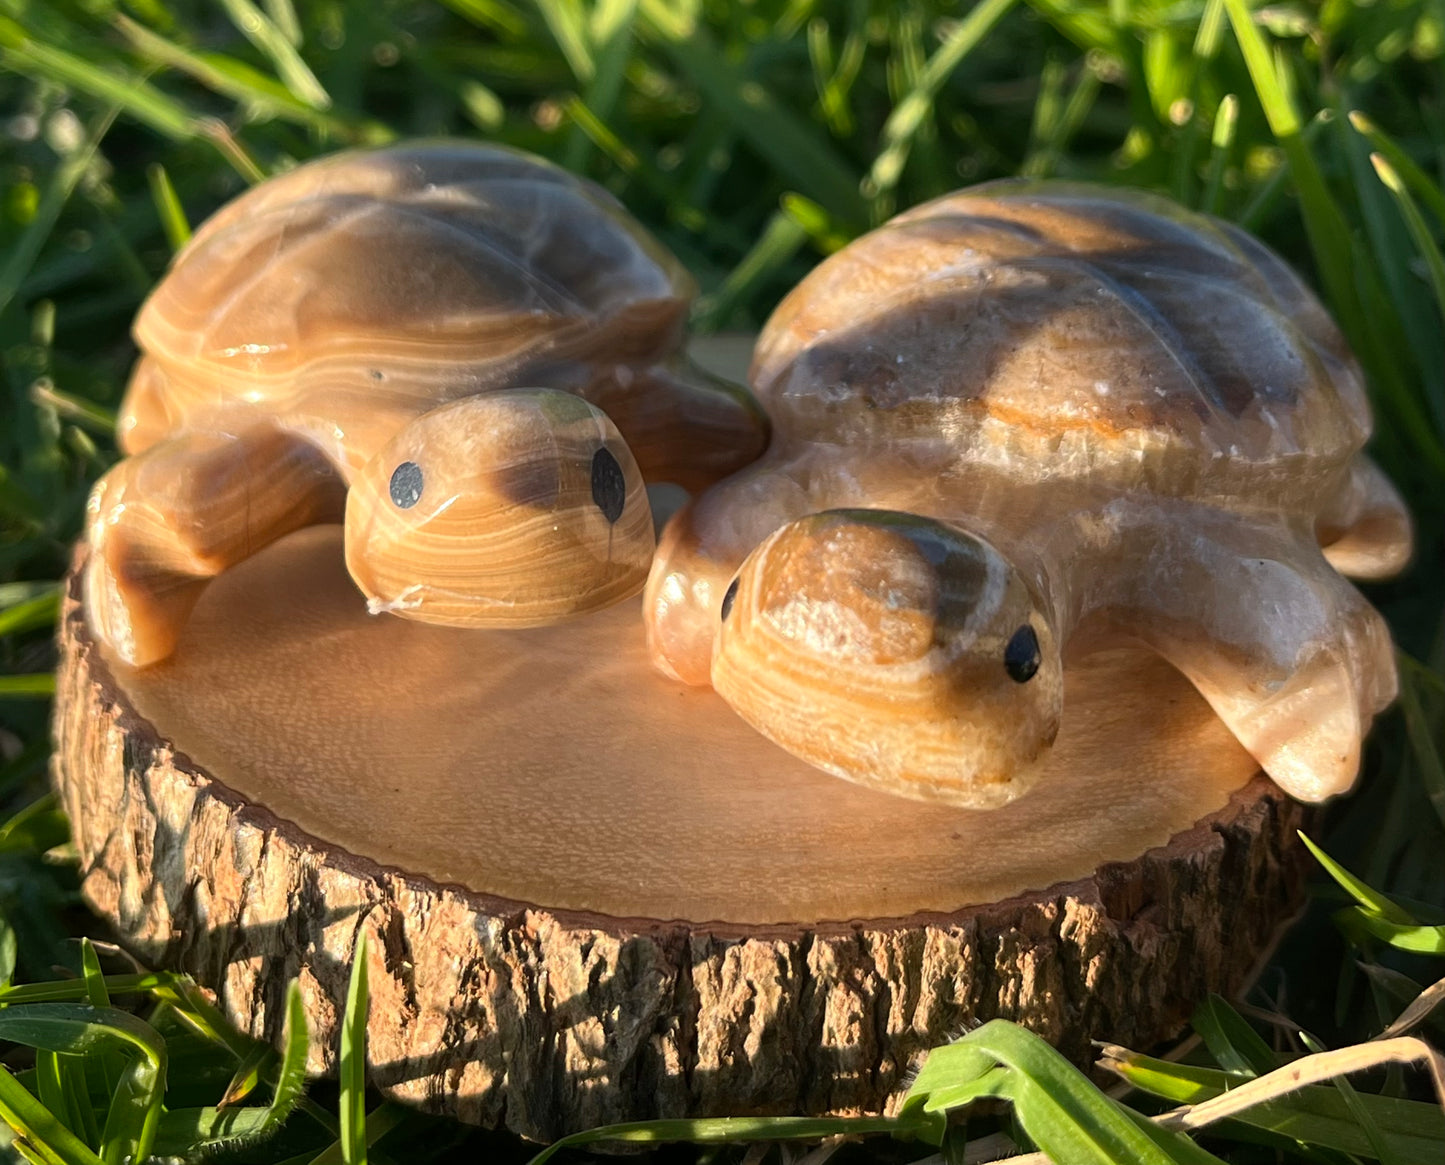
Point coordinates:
[[1235, 1046], [1380, 1149], [77, 1029], [782, 239], [197, 1012], [626, 159], [1091, 27], [62, 185], [291, 1077], [799, 153], [832, 80], [168, 207], [1076, 110], [496, 16], [283, 15], [1417, 937], [189, 1131], [229, 77], [35, 686], [380, 1121], [486, 110], [1421, 733], [1226, 120], [1289, 1101], [247, 1077], [1353, 288], [353, 1062], [815, 221], [1370, 899], [77, 1092], [295, 74], [9, 949], [49, 1081], [126, 91], [610, 32], [31, 614], [917, 104], [1419, 231], [1327, 230], [1060, 1109], [1179, 1148], [37, 1129], [230, 148], [565, 22], [1418, 1011], [94, 979], [66, 990], [23, 592], [38, 827], [1210, 34], [96, 418], [724, 1130], [1414, 177]]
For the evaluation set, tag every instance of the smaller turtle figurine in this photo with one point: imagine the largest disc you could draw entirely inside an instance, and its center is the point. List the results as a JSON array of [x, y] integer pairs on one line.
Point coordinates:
[[1029, 420], [469, 354]]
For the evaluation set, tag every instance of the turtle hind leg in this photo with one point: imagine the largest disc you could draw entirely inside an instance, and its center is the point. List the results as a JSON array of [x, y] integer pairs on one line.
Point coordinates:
[[1292, 657], [163, 523], [1364, 527]]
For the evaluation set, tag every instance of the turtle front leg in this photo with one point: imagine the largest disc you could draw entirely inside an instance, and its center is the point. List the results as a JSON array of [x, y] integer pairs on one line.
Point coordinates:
[[165, 522], [1291, 656], [1364, 527], [697, 557]]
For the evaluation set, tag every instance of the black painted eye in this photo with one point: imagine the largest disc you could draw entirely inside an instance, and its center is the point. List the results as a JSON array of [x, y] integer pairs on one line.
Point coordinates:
[[727, 603], [406, 485], [609, 487], [1021, 657]]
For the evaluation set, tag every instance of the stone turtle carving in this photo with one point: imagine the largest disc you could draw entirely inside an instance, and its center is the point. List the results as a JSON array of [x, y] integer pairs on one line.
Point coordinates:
[[1025, 420], [472, 355]]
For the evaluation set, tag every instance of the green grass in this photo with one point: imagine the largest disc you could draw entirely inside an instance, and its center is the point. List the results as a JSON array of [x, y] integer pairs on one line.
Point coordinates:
[[753, 138]]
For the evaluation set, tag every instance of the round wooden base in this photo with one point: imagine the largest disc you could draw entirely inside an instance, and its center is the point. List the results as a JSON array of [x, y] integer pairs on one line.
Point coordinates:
[[594, 895]]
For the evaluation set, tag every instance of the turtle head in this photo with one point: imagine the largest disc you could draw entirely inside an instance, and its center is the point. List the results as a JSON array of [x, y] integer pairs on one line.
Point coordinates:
[[507, 509], [894, 651]]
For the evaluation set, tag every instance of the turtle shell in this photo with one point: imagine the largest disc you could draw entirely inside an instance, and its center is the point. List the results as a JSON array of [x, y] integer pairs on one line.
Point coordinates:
[[1065, 331], [426, 271]]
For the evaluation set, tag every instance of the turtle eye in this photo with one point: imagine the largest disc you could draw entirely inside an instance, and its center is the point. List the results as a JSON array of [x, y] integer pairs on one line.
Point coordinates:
[[406, 484], [609, 486], [1021, 657], [728, 597]]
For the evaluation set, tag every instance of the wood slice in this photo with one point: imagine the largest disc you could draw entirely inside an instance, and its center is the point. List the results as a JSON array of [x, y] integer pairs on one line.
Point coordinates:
[[594, 895]]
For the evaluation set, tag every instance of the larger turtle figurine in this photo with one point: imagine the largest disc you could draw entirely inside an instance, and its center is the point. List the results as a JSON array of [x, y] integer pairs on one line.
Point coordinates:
[[471, 355], [1029, 420]]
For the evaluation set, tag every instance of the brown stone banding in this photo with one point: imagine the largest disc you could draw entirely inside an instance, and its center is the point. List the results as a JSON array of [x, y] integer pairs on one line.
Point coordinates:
[[546, 1021]]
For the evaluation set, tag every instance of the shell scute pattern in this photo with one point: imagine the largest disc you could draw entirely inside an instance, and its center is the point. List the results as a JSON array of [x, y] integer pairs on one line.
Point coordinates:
[[453, 275], [1009, 317]]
